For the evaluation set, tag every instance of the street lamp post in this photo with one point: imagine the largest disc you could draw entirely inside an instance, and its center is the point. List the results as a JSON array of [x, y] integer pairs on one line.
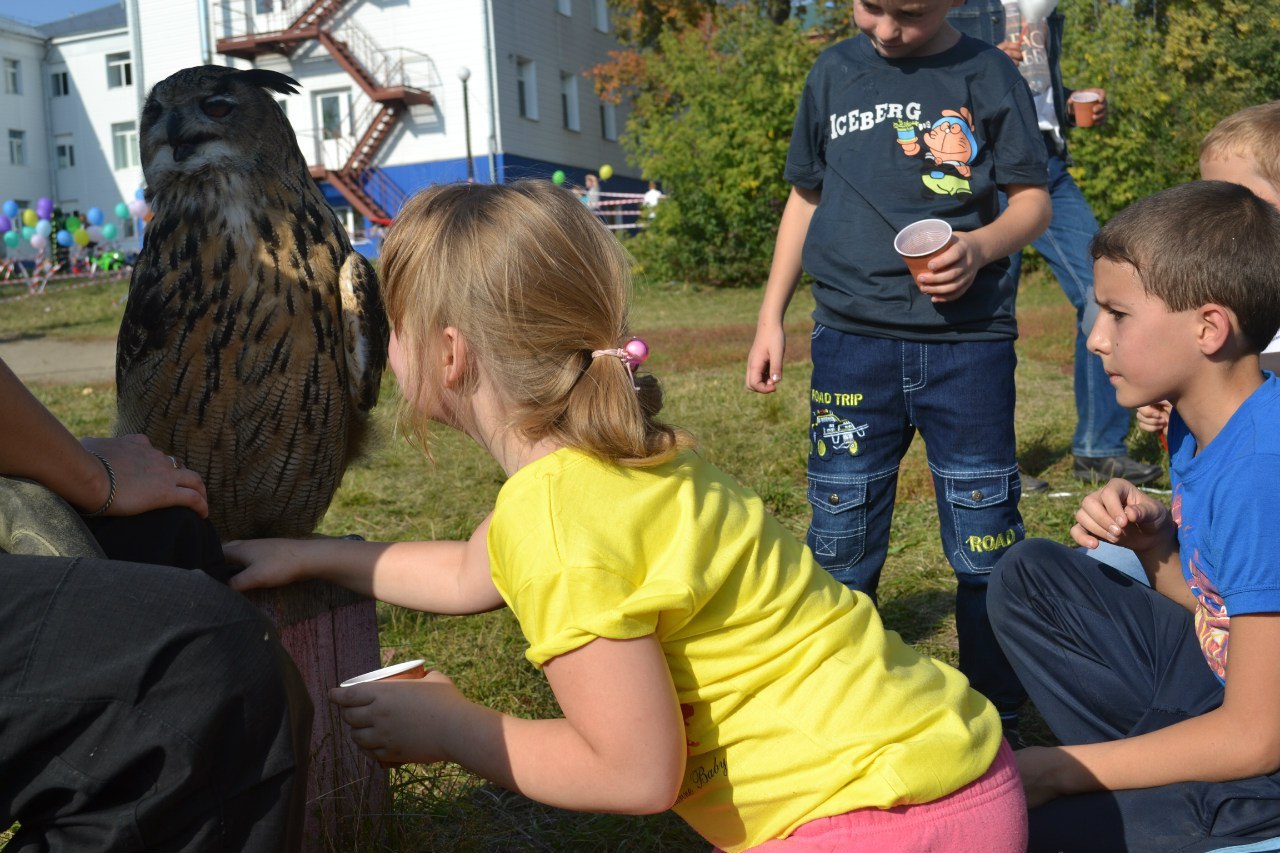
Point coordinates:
[[464, 74]]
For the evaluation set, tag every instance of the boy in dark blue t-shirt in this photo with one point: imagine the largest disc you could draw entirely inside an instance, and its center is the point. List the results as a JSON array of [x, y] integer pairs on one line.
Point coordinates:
[[910, 121]]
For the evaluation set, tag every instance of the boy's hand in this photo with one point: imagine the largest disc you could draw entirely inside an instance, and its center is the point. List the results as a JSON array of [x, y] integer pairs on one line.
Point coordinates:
[[1155, 417], [952, 272], [764, 361], [401, 722], [1123, 514], [1048, 772], [267, 562]]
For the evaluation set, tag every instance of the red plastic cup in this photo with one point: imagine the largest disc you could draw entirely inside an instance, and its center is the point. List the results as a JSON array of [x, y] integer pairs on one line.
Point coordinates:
[[1082, 104], [920, 241]]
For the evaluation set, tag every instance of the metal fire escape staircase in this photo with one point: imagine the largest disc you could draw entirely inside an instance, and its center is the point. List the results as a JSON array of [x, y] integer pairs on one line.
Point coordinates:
[[383, 80]]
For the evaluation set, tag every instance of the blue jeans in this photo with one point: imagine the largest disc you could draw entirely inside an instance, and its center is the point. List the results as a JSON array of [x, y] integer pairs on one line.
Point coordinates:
[[867, 399], [1104, 658], [1102, 424]]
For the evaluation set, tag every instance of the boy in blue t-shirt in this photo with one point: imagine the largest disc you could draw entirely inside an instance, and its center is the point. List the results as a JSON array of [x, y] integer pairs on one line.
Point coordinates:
[[1169, 744], [910, 121]]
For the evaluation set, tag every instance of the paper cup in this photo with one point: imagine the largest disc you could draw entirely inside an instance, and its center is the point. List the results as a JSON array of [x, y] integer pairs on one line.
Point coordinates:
[[920, 241], [1082, 104], [408, 669]]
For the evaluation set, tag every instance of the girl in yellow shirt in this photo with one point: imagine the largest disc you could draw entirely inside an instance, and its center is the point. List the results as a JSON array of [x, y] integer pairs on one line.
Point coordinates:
[[701, 658]]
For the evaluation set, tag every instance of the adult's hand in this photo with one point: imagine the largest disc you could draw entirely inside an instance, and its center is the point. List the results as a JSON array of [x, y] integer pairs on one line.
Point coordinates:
[[146, 478]]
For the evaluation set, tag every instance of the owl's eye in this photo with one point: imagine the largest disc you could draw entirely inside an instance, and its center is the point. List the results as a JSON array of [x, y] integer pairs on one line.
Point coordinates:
[[217, 107]]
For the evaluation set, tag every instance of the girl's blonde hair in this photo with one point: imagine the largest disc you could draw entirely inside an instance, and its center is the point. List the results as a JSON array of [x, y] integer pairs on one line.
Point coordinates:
[[535, 283]]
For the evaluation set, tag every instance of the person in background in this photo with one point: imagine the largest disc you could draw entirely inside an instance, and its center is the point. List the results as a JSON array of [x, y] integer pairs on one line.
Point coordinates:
[[1102, 424]]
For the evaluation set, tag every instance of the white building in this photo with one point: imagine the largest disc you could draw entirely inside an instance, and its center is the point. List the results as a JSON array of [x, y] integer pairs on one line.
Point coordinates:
[[387, 89]]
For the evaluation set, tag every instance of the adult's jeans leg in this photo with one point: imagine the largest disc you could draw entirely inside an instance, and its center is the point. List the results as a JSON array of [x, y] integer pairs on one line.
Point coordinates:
[[858, 434], [1102, 424], [146, 708], [962, 399]]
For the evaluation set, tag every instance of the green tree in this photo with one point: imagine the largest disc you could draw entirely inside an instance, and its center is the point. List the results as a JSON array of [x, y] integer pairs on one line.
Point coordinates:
[[711, 112], [1172, 71]]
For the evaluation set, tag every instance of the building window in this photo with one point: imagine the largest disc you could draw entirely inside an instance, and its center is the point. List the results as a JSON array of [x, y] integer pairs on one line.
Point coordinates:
[[66, 153], [609, 121], [263, 7], [569, 101], [124, 144], [12, 76], [600, 15], [18, 147], [527, 88], [331, 116], [119, 70], [60, 83], [564, 7]]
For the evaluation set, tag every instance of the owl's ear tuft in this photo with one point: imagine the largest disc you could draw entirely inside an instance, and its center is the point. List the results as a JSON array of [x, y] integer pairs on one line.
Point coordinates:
[[267, 79]]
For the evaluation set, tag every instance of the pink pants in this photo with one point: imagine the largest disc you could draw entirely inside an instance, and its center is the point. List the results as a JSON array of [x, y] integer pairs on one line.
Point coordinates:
[[988, 814]]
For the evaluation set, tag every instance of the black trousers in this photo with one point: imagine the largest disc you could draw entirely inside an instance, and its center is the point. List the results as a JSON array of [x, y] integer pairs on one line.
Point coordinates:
[[144, 708], [1104, 657]]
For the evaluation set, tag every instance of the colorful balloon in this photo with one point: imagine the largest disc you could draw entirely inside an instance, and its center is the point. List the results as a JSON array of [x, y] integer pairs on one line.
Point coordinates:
[[71, 224], [39, 242], [28, 232], [108, 231], [138, 208], [64, 238], [44, 228], [11, 239], [122, 210], [557, 177], [81, 237], [10, 208], [44, 207], [29, 217], [94, 216], [6, 224], [606, 172]]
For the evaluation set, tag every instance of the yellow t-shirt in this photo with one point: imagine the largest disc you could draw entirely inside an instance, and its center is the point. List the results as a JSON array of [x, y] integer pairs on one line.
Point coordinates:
[[797, 703]]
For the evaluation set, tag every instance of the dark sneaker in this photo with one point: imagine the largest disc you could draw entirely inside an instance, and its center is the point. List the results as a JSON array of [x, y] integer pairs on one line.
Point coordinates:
[[1102, 468], [1032, 485]]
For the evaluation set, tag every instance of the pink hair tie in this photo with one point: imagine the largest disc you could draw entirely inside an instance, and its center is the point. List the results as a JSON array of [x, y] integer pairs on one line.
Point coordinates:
[[632, 355]]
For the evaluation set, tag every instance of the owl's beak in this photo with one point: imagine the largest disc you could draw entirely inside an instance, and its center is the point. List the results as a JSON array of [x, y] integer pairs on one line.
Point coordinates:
[[182, 148]]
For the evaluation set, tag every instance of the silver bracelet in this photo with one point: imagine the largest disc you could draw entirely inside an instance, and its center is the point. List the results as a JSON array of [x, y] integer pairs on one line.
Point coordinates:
[[111, 492]]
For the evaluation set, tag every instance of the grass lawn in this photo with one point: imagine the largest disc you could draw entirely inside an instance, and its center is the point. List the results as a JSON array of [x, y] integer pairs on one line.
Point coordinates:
[[699, 341]]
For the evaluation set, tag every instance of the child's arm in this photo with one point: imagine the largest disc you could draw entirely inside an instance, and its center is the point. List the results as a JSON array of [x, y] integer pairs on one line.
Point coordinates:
[[620, 746], [764, 362], [435, 577], [1023, 220], [1237, 740], [1124, 515]]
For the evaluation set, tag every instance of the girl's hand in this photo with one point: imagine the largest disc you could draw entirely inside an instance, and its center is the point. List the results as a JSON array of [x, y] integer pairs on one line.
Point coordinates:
[[403, 721], [1123, 514], [952, 272], [267, 562]]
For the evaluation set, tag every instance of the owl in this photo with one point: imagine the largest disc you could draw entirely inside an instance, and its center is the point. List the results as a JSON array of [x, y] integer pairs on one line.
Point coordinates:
[[254, 337]]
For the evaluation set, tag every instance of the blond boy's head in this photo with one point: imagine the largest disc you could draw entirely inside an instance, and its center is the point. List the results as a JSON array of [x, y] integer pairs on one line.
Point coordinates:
[[1206, 242], [1242, 149]]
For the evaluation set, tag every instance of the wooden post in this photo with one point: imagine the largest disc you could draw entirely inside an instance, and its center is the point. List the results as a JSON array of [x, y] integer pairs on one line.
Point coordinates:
[[332, 634]]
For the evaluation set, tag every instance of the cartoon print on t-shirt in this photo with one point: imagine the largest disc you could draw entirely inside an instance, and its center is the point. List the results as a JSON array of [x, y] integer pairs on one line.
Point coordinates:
[[949, 145]]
